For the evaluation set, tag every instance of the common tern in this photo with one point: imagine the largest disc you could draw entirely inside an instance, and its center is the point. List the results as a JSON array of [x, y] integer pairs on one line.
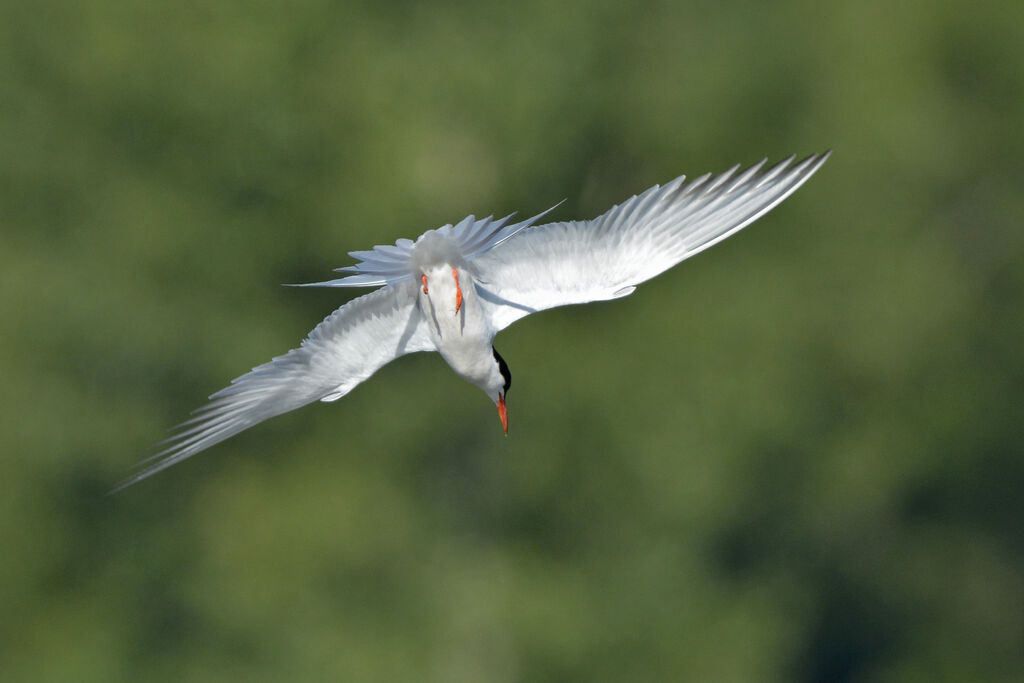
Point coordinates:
[[454, 288]]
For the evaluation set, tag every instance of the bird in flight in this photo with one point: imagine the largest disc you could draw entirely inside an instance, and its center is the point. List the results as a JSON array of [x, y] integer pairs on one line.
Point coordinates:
[[454, 288]]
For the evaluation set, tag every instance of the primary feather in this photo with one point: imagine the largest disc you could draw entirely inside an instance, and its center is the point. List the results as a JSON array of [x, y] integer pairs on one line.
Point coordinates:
[[345, 349], [581, 261]]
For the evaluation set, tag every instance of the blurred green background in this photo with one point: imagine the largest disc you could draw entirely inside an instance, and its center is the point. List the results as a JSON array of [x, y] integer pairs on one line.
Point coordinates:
[[795, 458]]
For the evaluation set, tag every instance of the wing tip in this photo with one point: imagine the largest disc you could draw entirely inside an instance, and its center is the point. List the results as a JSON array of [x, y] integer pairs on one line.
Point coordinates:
[[350, 281]]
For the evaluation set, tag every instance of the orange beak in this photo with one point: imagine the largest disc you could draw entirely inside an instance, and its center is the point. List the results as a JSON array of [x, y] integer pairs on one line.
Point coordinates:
[[503, 413]]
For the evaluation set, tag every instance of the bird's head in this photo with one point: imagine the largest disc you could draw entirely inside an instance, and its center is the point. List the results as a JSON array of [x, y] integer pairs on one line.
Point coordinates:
[[498, 383]]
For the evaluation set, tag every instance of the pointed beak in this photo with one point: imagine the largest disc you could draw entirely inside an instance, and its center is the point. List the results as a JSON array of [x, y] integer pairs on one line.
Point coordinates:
[[503, 413]]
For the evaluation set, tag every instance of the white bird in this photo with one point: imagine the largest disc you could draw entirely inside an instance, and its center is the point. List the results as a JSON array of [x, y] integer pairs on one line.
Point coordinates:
[[456, 287]]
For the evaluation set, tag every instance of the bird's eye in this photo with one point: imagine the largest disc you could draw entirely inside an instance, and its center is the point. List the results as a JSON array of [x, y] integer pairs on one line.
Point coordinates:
[[503, 369]]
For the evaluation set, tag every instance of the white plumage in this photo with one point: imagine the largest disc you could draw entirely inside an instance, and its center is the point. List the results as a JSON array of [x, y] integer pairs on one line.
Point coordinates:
[[456, 287]]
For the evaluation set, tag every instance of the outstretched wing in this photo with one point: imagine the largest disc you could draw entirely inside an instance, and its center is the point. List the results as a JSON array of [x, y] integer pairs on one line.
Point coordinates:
[[345, 349], [575, 262]]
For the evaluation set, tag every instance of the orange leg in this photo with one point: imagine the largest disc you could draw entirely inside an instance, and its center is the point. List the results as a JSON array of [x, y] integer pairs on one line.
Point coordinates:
[[424, 284], [458, 290]]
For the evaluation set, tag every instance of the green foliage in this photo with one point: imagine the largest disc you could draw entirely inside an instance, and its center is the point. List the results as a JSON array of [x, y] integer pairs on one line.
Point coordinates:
[[795, 458]]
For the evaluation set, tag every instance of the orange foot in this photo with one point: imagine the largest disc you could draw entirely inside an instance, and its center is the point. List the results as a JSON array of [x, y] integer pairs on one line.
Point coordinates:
[[458, 290], [424, 284]]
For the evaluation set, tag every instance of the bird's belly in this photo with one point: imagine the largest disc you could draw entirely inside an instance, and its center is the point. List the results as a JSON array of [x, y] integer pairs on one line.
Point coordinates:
[[463, 338], [463, 342]]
